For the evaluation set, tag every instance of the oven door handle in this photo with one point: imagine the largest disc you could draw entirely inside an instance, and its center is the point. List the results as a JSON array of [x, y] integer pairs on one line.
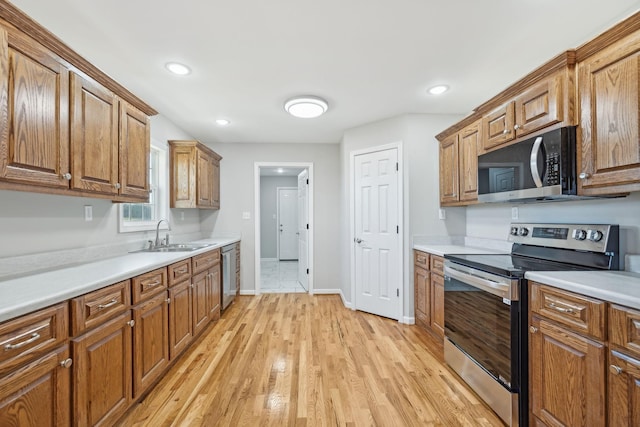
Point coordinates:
[[494, 288]]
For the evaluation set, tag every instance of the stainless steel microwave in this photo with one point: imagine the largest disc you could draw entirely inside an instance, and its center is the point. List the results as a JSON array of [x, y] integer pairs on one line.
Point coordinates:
[[540, 168]]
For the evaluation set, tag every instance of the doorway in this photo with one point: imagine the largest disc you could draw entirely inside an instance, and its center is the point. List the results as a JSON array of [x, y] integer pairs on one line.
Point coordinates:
[[284, 225]]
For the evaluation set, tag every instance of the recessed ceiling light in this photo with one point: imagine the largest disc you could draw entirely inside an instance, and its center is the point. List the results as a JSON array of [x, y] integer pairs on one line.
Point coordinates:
[[306, 107], [179, 69], [222, 122], [438, 90], [280, 170]]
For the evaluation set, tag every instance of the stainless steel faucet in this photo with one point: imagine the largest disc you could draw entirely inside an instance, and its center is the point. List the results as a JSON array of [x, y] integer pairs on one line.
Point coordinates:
[[157, 242]]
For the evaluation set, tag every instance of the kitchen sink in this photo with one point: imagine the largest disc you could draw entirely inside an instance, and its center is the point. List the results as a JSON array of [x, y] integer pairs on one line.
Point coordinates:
[[178, 247]]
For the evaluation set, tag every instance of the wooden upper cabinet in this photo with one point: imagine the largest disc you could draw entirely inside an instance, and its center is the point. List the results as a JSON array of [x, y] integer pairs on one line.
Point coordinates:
[[609, 99], [468, 161], [34, 106], [497, 127], [449, 170], [135, 145], [540, 106], [195, 175], [94, 137]]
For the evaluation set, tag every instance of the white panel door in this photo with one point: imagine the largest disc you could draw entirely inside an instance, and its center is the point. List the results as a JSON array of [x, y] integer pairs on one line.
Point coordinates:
[[288, 223], [377, 242], [303, 231]]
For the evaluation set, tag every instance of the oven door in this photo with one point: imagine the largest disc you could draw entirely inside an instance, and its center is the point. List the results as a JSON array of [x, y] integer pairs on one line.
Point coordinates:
[[481, 317]]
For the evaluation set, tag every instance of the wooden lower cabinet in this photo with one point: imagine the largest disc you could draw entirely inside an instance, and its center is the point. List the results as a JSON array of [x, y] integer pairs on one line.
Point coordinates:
[[428, 280], [437, 304], [567, 375], [180, 323], [38, 394], [421, 281], [623, 390], [102, 372], [150, 342], [213, 292], [199, 296]]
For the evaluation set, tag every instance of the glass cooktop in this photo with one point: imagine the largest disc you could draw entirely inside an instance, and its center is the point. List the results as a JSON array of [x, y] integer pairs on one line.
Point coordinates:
[[510, 265]]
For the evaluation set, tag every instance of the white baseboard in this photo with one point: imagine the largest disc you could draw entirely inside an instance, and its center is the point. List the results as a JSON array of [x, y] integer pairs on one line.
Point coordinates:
[[247, 292], [344, 301], [409, 320], [326, 291]]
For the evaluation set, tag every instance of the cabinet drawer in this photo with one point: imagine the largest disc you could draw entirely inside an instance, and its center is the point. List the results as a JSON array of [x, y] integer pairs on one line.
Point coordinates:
[[94, 308], [421, 258], [582, 314], [179, 271], [437, 265], [624, 327], [148, 284], [28, 337], [205, 261]]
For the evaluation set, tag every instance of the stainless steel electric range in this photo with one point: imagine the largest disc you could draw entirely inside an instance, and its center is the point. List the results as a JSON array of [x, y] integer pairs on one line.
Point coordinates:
[[486, 305]]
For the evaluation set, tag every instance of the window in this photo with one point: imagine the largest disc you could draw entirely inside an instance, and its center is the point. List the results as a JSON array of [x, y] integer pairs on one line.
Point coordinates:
[[145, 216]]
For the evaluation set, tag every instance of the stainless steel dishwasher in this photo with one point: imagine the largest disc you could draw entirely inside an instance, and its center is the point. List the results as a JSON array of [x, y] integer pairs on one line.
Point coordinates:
[[228, 275]]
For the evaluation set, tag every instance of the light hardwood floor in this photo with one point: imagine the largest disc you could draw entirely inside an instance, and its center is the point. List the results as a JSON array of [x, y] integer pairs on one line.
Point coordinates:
[[300, 360]]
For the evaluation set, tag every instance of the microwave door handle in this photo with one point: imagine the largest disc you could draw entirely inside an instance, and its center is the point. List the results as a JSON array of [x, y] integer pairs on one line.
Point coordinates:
[[533, 162]]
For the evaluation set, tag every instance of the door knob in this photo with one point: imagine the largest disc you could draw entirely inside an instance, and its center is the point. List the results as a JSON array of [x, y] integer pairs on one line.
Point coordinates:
[[358, 240]]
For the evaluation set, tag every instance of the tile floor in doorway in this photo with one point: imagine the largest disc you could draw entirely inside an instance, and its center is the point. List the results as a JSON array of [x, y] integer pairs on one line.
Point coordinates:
[[279, 276]]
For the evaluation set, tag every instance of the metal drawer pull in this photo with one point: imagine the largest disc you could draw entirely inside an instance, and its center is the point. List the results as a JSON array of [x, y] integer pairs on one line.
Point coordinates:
[[34, 337], [66, 363], [131, 323], [615, 370], [182, 270], [533, 329], [154, 284], [109, 304], [561, 309]]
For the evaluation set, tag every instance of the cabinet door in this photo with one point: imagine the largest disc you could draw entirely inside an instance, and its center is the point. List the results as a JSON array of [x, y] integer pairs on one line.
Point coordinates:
[[540, 106], [422, 296], [215, 183], [624, 390], [449, 170], [469, 140], [205, 178], [94, 137], [150, 342], [34, 113], [180, 324], [38, 394], [609, 97], [213, 296], [200, 306], [497, 127], [102, 370], [135, 144], [567, 375], [183, 176], [437, 304]]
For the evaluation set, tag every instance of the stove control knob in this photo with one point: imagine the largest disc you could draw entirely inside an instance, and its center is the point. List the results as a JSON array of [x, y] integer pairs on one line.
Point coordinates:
[[523, 231], [594, 235], [514, 231], [579, 234]]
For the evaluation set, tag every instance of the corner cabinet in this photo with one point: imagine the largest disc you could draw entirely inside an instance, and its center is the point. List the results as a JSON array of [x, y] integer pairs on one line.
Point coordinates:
[[195, 175]]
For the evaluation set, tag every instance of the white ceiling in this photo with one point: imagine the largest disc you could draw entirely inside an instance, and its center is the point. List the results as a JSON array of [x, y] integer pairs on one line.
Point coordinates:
[[370, 59]]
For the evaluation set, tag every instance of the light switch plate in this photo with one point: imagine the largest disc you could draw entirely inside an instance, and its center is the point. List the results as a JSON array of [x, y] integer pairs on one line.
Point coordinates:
[[246, 215], [88, 213], [442, 214], [514, 212]]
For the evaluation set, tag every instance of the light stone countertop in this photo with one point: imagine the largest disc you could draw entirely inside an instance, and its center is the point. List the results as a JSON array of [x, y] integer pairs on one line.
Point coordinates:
[[621, 287], [442, 250], [29, 293]]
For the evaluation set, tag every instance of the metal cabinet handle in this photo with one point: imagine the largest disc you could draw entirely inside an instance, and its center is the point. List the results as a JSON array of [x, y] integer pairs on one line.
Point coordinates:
[[561, 309], [168, 300], [66, 176], [117, 185], [34, 337], [66, 363], [131, 323], [109, 304], [516, 127], [182, 270], [153, 284], [584, 175], [506, 131], [533, 329], [615, 370]]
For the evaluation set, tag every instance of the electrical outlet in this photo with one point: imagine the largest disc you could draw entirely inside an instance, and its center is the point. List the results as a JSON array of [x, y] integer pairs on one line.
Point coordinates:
[[246, 215], [442, 214], [88, 213], [181, 216], [514, 212]]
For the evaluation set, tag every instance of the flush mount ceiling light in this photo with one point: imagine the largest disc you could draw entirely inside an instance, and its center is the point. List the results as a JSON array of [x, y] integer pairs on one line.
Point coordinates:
[[176, 68], [222, 122], [438, 90], [280, 170], [306, 107]]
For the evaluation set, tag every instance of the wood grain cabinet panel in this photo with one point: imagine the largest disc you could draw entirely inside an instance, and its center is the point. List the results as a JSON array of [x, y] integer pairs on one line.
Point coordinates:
[[623, 390], [204, 173], [449, 175], [94, 137], [468, 162], [540, 106], [135, 143], [150, 342], [92, 309], [195, 175], [179, 271], [206, 260], [437, 304], [422, 296], [624, 328], [39, 393], [180, 318], [567, 374], [215, 183], [609, 97], [102, 372], [148, 284], [34, 100], [200, 295], [213, 292], [497, 127]]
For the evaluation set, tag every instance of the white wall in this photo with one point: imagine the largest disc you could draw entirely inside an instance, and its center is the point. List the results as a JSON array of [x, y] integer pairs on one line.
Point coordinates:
[[33, 223], [491, 220], [268, 212], [237, 196], [420, 163]]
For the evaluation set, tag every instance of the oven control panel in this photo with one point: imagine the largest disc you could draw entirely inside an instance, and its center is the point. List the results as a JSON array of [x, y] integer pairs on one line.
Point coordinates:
[[585, 237]]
